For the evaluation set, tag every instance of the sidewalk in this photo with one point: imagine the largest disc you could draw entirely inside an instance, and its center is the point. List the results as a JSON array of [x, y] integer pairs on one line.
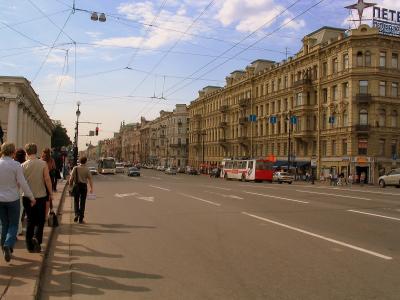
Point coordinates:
[[19, 279]]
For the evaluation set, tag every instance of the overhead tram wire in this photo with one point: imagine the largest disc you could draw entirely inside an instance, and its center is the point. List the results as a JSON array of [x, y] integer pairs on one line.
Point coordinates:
[[172, 47], [236, 44], [254, 43], [48, 53], [64, 72]]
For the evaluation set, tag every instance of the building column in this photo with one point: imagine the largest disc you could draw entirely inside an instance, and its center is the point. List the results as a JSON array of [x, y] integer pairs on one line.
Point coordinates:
[[25, 127], [20, 126], [12, 124]]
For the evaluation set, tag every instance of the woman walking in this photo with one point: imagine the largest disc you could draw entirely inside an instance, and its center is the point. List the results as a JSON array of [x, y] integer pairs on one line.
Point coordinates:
[[20, 156], [11, 178], [51, 165], [80, 176]]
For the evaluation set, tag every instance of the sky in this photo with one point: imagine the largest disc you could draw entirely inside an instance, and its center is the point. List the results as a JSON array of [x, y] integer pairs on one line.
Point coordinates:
[[148, 56]]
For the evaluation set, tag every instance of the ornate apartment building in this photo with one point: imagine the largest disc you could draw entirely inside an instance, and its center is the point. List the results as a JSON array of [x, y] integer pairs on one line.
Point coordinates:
[[23, 118], [337, 99]]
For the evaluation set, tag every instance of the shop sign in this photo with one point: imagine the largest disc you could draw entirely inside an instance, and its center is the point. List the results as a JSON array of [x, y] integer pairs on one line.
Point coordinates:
[[386, 20], [313, 163]]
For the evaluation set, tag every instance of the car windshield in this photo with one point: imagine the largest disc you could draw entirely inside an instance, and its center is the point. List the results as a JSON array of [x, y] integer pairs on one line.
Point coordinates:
[[133, 169], [119, 165], [284, 173]]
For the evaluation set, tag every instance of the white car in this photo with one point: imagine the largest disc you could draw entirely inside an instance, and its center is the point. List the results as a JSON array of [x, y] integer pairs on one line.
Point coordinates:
[[283, 177], [119, 168], [392, 178], [93, 171]]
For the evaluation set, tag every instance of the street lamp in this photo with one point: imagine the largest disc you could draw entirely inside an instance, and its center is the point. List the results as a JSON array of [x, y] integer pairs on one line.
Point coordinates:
[[203, 135], [78, 113]]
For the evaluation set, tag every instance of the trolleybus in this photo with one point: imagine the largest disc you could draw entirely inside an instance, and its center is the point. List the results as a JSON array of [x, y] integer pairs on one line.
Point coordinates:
[[248, 169]]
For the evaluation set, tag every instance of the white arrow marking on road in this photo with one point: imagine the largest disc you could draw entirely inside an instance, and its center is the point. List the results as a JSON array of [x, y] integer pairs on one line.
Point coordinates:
[[375, 215], [125, 195], [276, 197], [160, 188], [136, 195], [336, 195], [225, 196], [149, 199], [321, 237]]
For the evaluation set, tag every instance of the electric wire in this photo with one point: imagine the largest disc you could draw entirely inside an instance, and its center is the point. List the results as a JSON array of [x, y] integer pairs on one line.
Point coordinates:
[[64, 72]]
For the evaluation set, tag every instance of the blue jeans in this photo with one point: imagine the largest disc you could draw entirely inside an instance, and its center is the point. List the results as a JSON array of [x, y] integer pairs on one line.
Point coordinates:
[[9, 217]]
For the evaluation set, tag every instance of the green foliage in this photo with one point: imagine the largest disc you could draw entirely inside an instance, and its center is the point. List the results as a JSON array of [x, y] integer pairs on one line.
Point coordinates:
[[60, 137]]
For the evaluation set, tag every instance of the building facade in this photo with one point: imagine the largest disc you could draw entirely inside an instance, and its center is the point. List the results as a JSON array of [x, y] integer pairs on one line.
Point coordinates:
[[23, 118], [334, 105]]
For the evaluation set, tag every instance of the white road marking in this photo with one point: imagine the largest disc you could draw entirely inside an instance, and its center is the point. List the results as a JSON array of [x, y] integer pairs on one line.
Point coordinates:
[[335, 195], [200, 199], [276, 197], [224, 196], [136, 195], [125, 195], [157, 178], [375, 215], [149, 199], [320, 237], [351, 190], [160, 188], [217, 187]]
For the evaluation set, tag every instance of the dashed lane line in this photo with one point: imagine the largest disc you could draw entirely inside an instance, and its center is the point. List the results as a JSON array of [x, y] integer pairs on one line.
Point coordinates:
[[217, 187], [350, 190], [224, 195], [157, 178], [160, 188], [200, 199], [375, 215], [335, 195], [276, 197], [373, 253]]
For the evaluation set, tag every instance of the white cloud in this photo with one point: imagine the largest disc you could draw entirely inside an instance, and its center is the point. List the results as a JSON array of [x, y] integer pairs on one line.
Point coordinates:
[[294, 24], [52, 81], [94, 34], [248, 15]]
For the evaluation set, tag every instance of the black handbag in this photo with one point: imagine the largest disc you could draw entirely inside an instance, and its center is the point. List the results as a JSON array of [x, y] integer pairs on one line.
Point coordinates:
[[52, 221]]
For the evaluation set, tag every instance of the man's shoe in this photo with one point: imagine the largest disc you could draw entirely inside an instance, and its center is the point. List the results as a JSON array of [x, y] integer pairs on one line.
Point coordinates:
[[7, 253], [36, 246], [81, 221], [76, 219]]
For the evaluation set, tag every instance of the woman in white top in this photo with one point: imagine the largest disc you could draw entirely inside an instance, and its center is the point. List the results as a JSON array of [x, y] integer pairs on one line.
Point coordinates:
[[11, 179]]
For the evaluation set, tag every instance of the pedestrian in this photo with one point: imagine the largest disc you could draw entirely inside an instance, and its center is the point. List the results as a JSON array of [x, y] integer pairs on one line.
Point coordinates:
[[330, 179], [362, 178], [37, 174], [350, 180], [81, 176], [11, 179], [20, 156], [51, 165]]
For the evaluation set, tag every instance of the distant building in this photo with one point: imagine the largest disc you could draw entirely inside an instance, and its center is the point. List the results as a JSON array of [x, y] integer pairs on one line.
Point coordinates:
[[23, 118]]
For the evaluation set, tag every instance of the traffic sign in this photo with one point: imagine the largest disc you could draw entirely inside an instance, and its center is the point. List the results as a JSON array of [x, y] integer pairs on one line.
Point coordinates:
[[293, 120], [313, 163], [272, 119]]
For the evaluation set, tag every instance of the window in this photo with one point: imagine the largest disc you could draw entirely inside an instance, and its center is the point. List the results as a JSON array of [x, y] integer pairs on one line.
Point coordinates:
[[382, 88], [381, 118], [334, 93], [395, 60], [367, 59], [362, 146], [323, 148], [382, 147], [382, 59], [324, 69], [345, 61], [335, 65], [363, 86], [344, 147], [314, 147], [359, 59], [345, 90], [345, 119], [299, 99], [325, 95], [394, 118], [323, 121], [393, 148], [333, 150], [363, 117], [279, 106], [395, 89]]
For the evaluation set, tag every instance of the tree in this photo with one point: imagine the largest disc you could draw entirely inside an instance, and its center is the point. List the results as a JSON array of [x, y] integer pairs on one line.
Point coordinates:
[[60, 137]]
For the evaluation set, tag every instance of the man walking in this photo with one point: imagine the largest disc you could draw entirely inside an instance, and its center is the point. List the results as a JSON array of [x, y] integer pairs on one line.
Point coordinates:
[[37, 174]]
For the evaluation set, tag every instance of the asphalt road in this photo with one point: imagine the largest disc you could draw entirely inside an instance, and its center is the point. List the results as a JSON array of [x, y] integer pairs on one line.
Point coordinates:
[[192, 237]]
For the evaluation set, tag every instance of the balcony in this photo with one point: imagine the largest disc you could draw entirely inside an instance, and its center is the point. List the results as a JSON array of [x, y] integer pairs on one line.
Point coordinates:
[[302, 82], [362, 128], [243, 102], [223, 124], [179, 123], [243, 140], [223, 109], [197, 117], [363, 98], [243, 120]]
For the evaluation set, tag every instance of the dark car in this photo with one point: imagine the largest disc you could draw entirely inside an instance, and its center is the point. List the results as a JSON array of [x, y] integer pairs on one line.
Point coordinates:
[[193, 171], [216, 172], [133, 171]]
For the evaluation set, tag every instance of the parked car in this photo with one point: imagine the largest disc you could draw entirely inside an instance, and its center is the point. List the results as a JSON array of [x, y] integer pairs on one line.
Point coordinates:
[[170, 171], [93, 171], [193, 171], [161, 168], [216, 172], [138, 165], [392, 178], [283, 177], [119, 168], [133, 171], [181, 170]]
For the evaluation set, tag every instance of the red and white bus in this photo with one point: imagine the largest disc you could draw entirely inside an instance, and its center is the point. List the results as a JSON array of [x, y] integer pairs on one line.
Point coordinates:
[[248, 169]]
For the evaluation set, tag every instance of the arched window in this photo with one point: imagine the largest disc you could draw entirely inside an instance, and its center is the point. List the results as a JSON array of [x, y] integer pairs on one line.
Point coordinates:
[[323, 121], [363, 117], [345, 119], [315, 122], [359, 59], [394, 118], [367, 59], [381, 118]]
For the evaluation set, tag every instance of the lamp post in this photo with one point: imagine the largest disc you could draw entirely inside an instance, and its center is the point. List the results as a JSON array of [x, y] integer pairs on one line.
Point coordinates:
[[203, 134], [289, 137], [78, 113]]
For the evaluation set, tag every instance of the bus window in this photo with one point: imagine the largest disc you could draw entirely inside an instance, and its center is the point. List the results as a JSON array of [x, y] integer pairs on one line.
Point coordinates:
[[250, 165], [235, 165]]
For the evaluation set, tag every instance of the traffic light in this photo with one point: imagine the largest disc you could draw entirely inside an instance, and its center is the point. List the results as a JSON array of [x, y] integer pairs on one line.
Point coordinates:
[[97, 130]]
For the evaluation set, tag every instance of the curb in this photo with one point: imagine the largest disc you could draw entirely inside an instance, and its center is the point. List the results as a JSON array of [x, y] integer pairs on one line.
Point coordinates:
[[36, 291]]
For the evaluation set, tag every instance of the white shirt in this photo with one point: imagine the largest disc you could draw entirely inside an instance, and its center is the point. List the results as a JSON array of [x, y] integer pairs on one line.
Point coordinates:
[[11, 178]]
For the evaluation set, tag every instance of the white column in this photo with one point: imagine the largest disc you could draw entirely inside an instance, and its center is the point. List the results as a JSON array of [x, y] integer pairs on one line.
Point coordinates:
[[20, 126], [12, 124], [25, 138]]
